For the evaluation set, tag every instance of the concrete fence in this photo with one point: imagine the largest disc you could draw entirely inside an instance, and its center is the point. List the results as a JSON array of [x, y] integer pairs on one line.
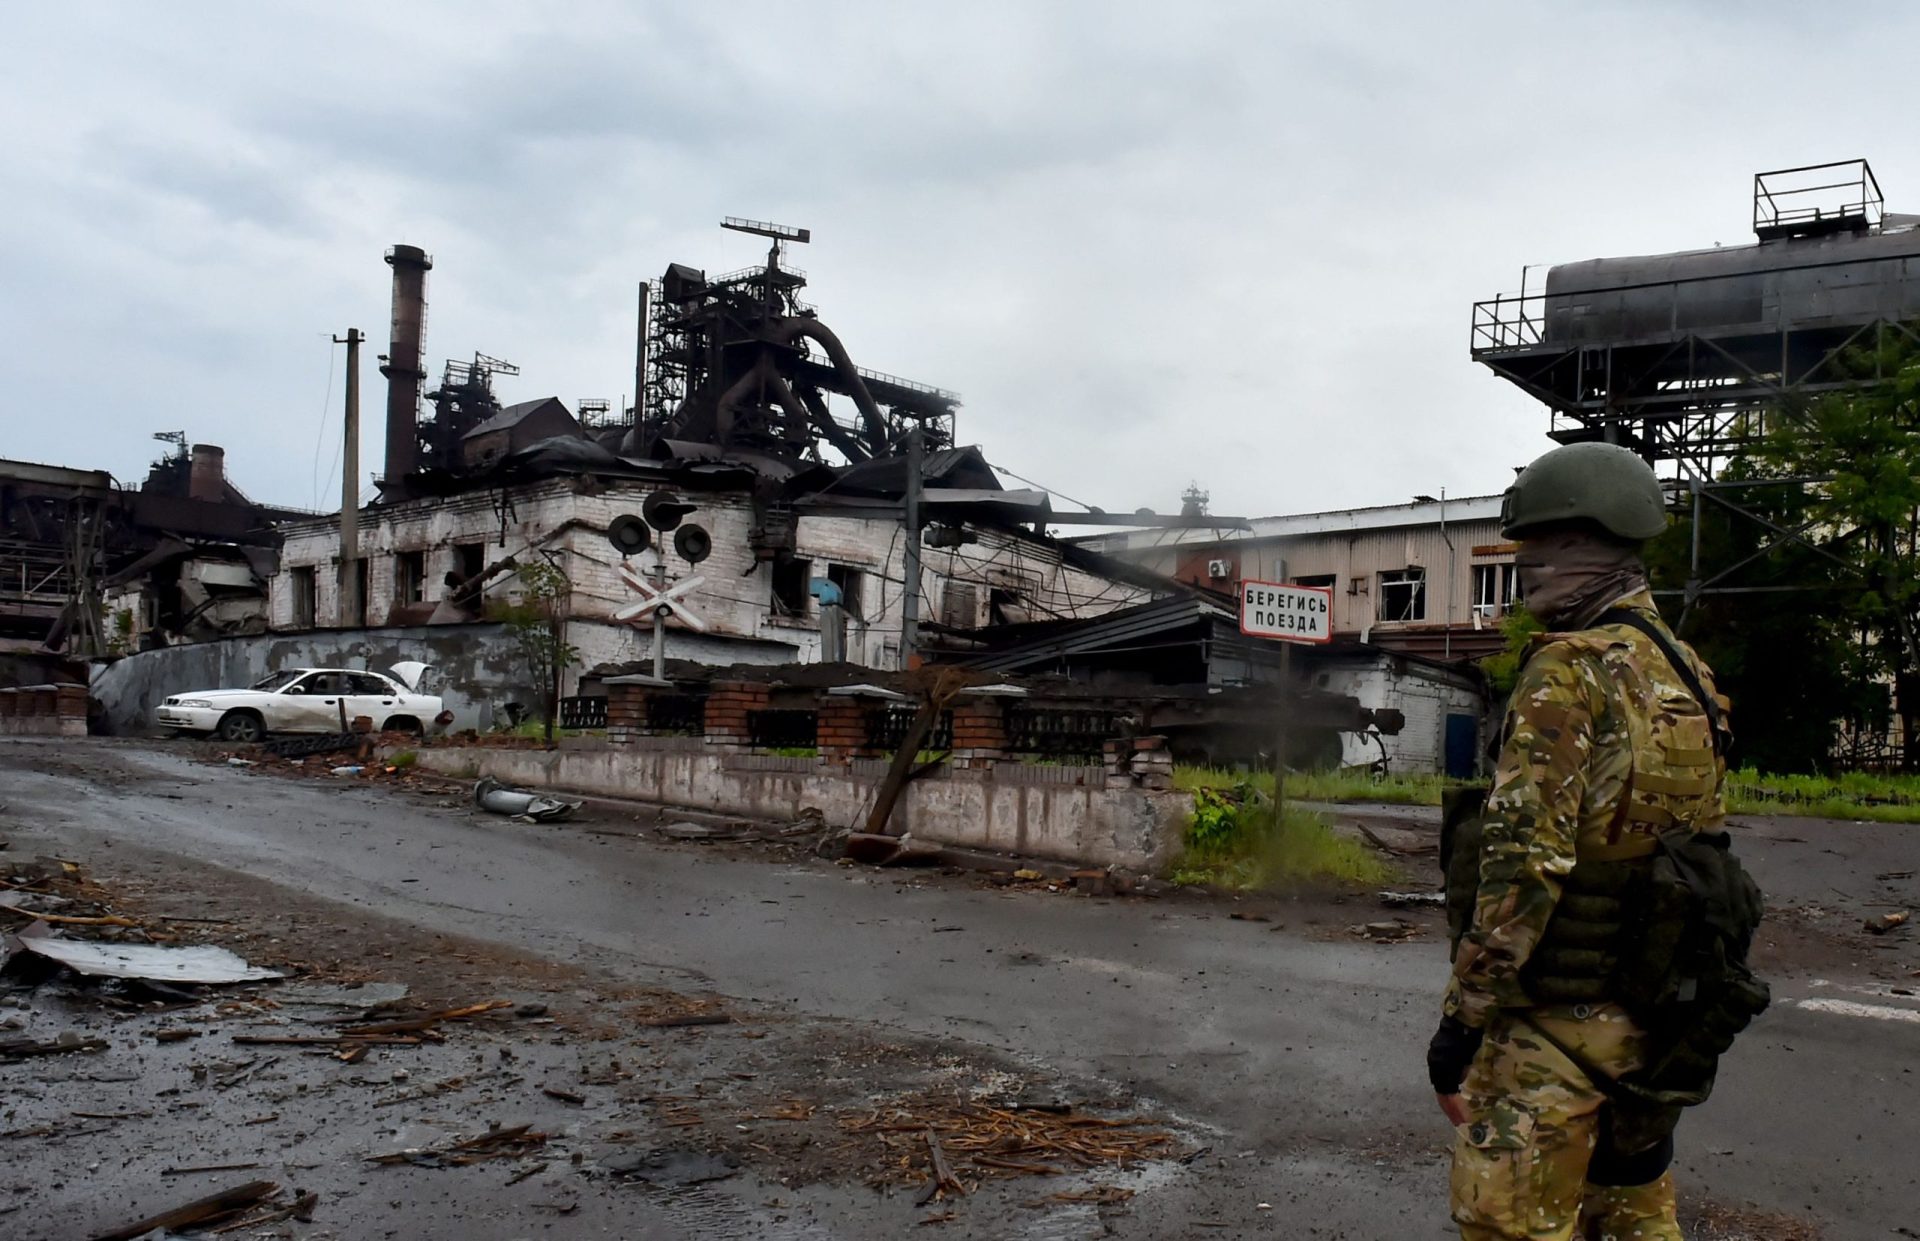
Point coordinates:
[[1117, 812]]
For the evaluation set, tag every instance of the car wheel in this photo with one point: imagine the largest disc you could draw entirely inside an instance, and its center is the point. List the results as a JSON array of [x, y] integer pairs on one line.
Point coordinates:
[[241, 726]]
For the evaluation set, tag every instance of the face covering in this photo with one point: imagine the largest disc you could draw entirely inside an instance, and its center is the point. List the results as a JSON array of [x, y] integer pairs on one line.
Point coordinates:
[[1568, 579]]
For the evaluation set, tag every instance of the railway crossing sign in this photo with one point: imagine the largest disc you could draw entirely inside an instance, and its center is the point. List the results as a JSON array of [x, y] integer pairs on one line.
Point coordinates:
[[1286, 613], [665, 600]]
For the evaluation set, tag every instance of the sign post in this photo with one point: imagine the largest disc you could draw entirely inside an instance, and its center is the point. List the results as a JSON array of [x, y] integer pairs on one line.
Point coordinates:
[[1291, 616]]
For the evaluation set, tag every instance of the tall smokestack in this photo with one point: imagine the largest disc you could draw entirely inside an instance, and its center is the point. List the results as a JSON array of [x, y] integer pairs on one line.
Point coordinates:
[[207, 473], [403, 367]]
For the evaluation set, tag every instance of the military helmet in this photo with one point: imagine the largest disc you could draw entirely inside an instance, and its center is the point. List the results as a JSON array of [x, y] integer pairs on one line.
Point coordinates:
[[1602, 483]]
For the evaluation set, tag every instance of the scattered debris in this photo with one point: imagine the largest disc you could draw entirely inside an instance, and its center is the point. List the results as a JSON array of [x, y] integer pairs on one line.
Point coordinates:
[[689, 1019], [677, 1168], [209, 1167], [565, 1096], [426, 1022], [20, 1048], [1894, 874], [496, 798], [1386, 932], [493, 1144], [301, 1208], [1237, 916], [362, 997], [704, 831], [203, 963], [943, 1180], [213, 1208], [1026, 874], [1887, 922], [995, 1141], [1401, 900]]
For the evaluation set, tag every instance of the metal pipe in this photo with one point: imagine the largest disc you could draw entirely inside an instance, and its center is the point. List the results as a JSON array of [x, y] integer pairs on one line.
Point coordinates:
[[788, 329], [910, 600]]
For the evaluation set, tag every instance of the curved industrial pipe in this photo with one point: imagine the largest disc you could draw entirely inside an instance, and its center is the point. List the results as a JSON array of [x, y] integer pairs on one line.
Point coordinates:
[[785, 331]]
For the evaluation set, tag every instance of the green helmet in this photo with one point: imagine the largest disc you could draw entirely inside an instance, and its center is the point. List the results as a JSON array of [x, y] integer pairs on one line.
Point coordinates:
[[1602, 483]]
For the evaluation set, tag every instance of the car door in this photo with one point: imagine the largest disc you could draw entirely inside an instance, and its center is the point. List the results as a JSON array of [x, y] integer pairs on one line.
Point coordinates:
[[372, 696], [315, 708]]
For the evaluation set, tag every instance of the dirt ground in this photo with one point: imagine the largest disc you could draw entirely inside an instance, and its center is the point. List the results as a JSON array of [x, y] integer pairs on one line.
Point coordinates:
[[625, 1109], [574, 1105]]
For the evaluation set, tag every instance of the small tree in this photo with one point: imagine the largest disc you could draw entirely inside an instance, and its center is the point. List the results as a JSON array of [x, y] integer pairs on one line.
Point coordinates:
[[539, 625], [1518, 627]]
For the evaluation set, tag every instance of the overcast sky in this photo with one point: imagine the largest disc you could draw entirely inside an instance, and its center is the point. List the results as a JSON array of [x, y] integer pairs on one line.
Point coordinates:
[[1148, 244]]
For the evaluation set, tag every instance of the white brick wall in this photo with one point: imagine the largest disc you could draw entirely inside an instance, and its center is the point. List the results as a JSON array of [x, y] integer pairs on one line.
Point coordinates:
[[736, 599]]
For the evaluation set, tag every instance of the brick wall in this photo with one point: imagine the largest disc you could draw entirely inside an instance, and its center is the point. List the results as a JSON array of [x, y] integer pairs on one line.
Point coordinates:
[[44, 711]]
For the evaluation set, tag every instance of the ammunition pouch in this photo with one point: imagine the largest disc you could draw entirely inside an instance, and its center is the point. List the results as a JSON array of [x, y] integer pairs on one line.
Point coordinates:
[[1687, 916], [1462, 830]]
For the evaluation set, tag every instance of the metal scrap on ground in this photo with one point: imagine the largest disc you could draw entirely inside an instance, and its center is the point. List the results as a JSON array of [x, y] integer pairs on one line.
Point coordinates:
[[496, 798], [152, 962]]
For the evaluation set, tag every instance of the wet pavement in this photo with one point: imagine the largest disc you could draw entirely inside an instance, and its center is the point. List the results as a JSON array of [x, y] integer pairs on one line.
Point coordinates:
[[1288, 1048]]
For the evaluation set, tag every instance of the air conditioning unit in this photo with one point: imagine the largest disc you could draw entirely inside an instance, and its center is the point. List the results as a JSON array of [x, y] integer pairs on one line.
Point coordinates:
[[1219, 570]]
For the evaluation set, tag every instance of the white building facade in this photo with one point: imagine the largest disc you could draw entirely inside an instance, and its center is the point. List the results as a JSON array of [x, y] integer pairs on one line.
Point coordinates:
[[756, 609]]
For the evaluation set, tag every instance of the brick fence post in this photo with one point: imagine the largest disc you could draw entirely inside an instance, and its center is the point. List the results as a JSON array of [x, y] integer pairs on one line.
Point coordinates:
[[728, 705], [841, 729], [9, 711], [70, 710], [1138, 762], [979, 733]]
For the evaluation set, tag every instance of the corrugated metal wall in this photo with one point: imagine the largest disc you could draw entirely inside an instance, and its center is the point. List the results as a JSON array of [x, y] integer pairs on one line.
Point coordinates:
[[1365, 554]]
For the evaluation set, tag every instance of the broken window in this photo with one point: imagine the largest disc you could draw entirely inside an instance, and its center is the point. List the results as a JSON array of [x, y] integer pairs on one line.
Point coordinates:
[[1496, 587], [960, 605], [409, 577], [790, 578], [852, 583], [1403, 595], [303, 583], [1319, 581]]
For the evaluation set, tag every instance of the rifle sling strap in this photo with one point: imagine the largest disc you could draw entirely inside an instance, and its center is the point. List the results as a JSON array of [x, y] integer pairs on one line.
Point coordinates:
[[1708, 703]]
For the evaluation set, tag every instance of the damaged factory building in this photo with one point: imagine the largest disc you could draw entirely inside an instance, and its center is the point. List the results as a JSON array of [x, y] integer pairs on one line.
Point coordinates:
[[765, 502], [791, 514]]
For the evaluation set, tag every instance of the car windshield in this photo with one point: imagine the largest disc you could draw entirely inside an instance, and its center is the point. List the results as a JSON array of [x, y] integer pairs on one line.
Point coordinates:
[[278, 680]]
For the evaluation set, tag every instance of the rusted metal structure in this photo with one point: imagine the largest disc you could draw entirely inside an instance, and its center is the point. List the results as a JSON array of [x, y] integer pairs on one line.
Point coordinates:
[[740, 362], [67, 536]]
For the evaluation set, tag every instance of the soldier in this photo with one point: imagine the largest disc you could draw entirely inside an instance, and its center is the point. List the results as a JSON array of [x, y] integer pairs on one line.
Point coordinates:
[[1563, 1056]]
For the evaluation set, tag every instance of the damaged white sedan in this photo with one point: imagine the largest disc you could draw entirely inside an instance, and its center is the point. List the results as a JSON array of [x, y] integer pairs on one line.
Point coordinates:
[[308, 700]]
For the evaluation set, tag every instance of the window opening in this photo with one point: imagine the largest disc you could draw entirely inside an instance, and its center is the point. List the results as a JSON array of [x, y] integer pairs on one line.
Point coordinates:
[[305, 587], [790, 578], [1403, 595]]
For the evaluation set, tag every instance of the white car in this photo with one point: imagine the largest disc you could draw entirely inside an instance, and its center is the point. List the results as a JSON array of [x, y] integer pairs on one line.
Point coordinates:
[[307, 700]]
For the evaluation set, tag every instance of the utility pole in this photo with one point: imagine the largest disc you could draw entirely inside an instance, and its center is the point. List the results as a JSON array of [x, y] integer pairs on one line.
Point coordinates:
[[352, 606], [659, 613], [910, 601]]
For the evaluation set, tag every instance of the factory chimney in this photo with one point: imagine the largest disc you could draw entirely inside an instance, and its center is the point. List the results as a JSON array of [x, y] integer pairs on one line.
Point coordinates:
[[207, 473], [403, 366]]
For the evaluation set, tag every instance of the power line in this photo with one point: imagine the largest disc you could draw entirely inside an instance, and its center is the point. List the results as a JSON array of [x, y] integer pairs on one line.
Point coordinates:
[[319, 436]]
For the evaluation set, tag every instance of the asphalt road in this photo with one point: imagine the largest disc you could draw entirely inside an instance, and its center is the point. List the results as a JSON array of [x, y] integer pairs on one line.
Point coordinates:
[[1298, 1044]]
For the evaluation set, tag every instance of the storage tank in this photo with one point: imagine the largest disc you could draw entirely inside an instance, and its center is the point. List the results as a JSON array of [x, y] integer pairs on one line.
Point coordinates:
[[1774, 286]]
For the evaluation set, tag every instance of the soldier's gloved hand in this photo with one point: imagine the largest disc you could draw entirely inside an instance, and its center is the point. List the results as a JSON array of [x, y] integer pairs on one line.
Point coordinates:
[[1451, 1053]]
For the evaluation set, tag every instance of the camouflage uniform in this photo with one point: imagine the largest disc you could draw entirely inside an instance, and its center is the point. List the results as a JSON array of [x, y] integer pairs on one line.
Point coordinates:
[[1604, 748]]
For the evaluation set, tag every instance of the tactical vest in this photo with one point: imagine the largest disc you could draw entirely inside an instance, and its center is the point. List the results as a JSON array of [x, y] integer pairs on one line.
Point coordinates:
[[1610, 923]]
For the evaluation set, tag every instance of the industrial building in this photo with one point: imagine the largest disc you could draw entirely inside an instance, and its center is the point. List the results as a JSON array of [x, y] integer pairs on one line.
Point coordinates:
[[1431, 578]]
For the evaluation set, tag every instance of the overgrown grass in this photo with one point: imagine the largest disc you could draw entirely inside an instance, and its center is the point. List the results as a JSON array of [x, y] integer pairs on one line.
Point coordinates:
[[1855, 795], [1233, 842], [404, 759], [1329, 786]]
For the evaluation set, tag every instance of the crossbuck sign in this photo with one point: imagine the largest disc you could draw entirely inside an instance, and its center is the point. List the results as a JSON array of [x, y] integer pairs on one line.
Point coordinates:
[[1286, 613]]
